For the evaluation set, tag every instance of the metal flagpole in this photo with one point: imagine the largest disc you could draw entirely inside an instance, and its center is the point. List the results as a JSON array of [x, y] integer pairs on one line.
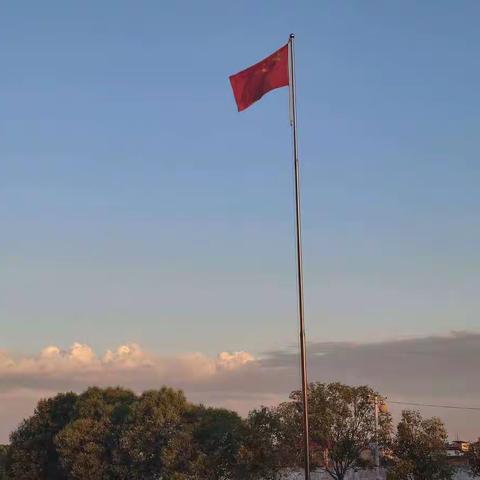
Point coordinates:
[[298, 228], [377, 450]]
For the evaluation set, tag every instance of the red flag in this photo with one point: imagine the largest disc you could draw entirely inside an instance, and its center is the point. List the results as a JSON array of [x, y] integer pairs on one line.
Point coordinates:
[[253, 83]]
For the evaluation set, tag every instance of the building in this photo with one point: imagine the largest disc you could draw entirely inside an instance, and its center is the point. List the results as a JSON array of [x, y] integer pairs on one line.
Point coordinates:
[[457, 453]]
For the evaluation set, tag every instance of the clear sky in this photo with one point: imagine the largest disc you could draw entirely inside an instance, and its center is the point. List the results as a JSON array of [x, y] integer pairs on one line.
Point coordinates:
[[137, 205]]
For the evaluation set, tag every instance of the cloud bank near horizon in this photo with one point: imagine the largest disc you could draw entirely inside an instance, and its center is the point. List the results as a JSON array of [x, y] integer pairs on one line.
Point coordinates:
[[436, 369]]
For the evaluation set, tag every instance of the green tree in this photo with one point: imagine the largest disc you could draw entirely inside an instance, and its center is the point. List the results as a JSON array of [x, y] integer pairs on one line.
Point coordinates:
[[420, 449], [89, 445], [218, 435], [83, 449], [474, 459], [33, 454], [342, 426], [150, 441], [271, 444], [3, 461]]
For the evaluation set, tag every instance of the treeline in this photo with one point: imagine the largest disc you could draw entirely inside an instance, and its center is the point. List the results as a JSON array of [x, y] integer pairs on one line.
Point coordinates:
[[114, 434]]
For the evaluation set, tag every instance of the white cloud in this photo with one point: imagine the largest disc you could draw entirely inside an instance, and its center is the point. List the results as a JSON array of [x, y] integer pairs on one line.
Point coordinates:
[[130, 355], [80, 366], [82, 353], [231, 361], [26, 379], [442, 369], [50, 352]]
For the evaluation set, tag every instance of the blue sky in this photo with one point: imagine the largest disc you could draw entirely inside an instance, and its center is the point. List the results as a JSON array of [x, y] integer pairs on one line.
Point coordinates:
[[136, 204]]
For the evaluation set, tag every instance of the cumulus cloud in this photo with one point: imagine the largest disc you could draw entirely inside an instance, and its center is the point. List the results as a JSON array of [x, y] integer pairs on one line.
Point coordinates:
[[436, 369], [231, 361], [80, 366], [26, 379]]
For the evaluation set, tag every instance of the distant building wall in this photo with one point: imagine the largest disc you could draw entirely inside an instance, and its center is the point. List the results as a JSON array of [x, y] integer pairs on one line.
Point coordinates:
[[460, 474], [351, 475]]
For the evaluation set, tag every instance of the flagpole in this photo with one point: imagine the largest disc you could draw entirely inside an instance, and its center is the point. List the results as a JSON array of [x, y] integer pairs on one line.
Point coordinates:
[[298, 229]]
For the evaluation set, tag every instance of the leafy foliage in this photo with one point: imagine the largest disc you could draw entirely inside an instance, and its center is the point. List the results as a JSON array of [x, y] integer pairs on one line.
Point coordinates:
[[114, 434], [150, 432], [342, 426], [219, 435], [89, 446], [420, 449], [270, 445], [32, 453], [474, 459], [3, 460]]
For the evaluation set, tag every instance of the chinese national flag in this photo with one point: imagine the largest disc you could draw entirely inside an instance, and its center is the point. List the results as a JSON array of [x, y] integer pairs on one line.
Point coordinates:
[[253, 83]]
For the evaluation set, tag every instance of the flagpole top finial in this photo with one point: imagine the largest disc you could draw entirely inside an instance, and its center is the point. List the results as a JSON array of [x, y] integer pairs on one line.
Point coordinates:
[[292, 35]]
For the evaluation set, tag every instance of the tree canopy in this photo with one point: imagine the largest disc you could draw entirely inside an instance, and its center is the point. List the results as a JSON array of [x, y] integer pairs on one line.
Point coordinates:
[[420, 449], [112, 433], [474, 459], [115, 434], [342, 426]]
